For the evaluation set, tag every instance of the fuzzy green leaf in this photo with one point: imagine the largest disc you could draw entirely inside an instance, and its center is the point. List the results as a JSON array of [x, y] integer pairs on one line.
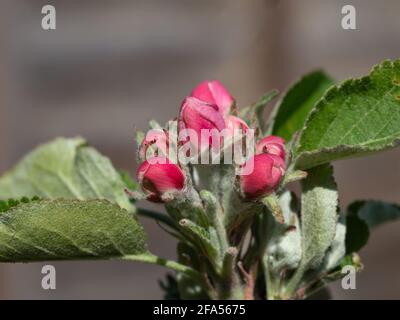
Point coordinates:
[[284, 246], [362, 216], [292, 111], [319, 216], [65, 168], [204, 238], [129, 183], [68, 229], [358, 117], [319, 203], [6, 205], [337, 251]]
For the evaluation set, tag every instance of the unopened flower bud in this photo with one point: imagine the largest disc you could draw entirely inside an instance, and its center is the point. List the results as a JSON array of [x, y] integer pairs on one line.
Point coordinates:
[[201, 117], [157, 176], [272, 145], [213, 92], [264, 179]]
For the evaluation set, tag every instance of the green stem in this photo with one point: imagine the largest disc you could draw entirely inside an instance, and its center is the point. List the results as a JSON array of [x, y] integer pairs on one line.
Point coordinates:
[[294, 282], [153, 259], [271, 294]]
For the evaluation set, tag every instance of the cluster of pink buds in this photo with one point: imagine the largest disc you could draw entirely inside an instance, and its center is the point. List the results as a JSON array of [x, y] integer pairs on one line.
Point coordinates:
[[209, 107]]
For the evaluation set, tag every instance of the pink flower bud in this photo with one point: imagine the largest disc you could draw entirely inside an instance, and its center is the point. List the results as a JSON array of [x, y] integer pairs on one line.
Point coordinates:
[[265, 177], [233, 123], [154, 144], [198, 115], [271, 145], [157, 176], [213, 92]]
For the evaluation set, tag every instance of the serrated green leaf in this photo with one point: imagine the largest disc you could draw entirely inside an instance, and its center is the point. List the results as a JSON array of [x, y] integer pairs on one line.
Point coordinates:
[[363, 216], [358, 117], [69, 229], [292, 111], [65, 168], [319, 203]]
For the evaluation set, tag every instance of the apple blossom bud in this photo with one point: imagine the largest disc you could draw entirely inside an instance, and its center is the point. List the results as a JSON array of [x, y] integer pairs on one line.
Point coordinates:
[[214, 92], [154, 144], [157, 176], [196, 114], [200, 117], [265, 177], [272, 145]]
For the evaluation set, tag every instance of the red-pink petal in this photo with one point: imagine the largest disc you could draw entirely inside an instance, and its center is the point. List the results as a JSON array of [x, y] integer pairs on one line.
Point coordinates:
[[214, 92], [265, 177], [273, 145], [198, 115], [158, 176]]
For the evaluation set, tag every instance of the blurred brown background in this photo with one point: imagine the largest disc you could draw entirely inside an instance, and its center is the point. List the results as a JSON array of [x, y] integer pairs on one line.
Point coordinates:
[[113, 65]]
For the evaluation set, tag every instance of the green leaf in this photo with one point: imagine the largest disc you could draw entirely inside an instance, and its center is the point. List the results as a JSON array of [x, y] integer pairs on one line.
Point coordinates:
[[65, 168], [279, 242], [153, 124], [139, 137], [69, 229], [319, 216], [319, 203], [284, 246], [337, 250], [202, 237], [293, 109], [6, 205], [129, 183], [356, 118], [272, 203], [375, 213], [336, 273], [357, 229], [189, 287], [363, 216]]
